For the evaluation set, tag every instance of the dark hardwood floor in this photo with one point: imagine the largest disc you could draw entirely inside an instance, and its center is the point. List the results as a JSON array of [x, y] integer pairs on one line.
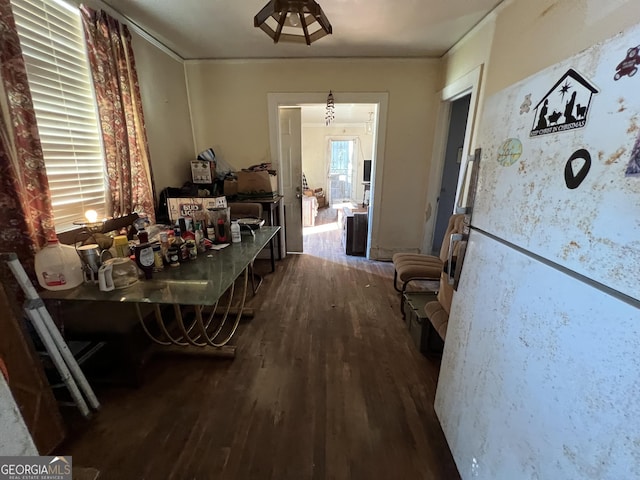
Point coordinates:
[[326, 384]]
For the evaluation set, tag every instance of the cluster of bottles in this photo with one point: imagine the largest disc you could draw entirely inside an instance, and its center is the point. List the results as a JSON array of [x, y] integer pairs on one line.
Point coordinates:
[[181, 244], [184, 242], [60, 267]]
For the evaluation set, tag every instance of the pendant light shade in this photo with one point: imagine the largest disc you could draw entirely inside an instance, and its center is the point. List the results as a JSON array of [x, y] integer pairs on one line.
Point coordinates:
[[298, 21], [331, 109]]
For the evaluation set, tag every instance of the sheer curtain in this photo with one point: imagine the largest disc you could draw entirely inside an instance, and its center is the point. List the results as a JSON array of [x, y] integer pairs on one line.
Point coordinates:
[[26, 219], [130, 185]]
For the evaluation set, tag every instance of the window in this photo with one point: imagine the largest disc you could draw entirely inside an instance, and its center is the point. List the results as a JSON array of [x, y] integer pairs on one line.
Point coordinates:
[[54, 51], [341, 170]]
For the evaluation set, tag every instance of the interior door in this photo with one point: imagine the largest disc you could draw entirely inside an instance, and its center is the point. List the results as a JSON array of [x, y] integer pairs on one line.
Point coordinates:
[[451, 171], [291, 162]]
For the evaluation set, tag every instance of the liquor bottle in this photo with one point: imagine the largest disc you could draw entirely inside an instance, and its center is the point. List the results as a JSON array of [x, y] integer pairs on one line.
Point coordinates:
[[179, 242], [199, 237], [164, 247], [221, 232], [192, 249]]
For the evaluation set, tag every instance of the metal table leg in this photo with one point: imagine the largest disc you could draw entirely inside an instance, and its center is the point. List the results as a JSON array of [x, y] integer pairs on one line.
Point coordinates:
[[201, 332]]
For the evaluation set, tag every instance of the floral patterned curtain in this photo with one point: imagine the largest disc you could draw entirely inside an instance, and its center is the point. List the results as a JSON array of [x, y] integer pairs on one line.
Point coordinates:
[[120, 109], [26, 218]]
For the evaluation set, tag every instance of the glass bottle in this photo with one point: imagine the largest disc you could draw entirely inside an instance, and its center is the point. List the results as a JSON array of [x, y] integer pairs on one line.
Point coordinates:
[[164, 247], [179, 242], [221, 233]]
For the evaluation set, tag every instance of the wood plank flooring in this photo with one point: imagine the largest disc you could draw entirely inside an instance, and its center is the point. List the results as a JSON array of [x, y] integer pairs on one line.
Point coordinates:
[[326, 384]]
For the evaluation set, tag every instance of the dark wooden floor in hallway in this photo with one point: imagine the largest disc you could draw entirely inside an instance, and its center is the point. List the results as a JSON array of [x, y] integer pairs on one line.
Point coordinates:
[[326, 384]]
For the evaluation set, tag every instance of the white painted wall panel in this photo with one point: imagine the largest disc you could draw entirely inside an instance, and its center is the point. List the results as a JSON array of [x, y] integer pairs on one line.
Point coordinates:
[[593, 229], [540, 376], [14, 436]]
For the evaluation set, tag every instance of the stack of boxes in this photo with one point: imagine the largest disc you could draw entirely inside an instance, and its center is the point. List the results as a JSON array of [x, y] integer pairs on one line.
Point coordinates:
[[258, 184], [320, 196]]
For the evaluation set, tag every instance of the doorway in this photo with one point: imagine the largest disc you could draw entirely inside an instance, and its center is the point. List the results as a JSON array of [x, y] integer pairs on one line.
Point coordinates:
[[451, 171], [334, 161], [465, 86], [377, 103]]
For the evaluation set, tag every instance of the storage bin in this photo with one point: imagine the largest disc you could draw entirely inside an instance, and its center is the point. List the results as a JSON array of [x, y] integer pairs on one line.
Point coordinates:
[[424, 336]]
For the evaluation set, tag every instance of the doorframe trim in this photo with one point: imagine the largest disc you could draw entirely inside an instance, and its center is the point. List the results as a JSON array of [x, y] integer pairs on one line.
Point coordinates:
[[465, 85], [381, 99]]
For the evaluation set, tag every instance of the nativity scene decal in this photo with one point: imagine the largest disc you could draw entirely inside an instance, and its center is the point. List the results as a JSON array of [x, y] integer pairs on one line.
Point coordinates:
[[565, 107]]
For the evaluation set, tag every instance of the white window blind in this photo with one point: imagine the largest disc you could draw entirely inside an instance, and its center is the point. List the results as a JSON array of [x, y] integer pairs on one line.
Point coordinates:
[[53, 47]]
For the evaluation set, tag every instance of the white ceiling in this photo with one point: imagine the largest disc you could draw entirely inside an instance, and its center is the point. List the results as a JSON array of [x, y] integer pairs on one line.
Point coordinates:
[[344, 114], [215, 29]]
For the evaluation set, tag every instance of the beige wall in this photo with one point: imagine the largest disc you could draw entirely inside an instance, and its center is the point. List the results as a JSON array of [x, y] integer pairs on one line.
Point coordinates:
[[167, 116], [229, 108], [471, 52], [532, 35]]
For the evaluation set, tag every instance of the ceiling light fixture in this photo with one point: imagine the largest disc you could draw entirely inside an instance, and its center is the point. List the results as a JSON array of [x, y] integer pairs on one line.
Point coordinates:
[[331, 107], [298, 21]]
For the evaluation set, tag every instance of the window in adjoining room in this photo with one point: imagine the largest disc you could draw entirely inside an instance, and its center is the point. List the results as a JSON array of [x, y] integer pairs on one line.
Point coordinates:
[[341, 170], [54, 51]]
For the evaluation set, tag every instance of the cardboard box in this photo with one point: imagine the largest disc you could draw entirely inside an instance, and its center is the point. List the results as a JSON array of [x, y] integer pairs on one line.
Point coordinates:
[[203, 171], [230, 188], [322, 199], [194, 207], [256, 183]]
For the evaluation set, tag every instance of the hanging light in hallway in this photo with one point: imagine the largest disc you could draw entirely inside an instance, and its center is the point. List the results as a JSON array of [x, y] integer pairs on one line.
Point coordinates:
[[330, 115]]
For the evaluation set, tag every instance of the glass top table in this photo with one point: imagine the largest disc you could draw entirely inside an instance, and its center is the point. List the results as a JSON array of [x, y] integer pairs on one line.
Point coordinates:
[[196, 287], [196, 282]]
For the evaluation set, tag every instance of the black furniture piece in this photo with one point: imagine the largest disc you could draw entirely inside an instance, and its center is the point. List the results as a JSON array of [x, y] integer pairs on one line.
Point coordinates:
[[270, 205], [354, 234]]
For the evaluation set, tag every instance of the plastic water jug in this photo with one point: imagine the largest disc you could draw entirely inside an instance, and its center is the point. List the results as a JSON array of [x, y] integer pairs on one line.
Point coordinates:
[[58, 266], [235, 232]]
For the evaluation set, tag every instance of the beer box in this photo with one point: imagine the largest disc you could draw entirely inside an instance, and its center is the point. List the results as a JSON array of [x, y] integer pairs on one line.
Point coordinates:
[[194, 207]]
